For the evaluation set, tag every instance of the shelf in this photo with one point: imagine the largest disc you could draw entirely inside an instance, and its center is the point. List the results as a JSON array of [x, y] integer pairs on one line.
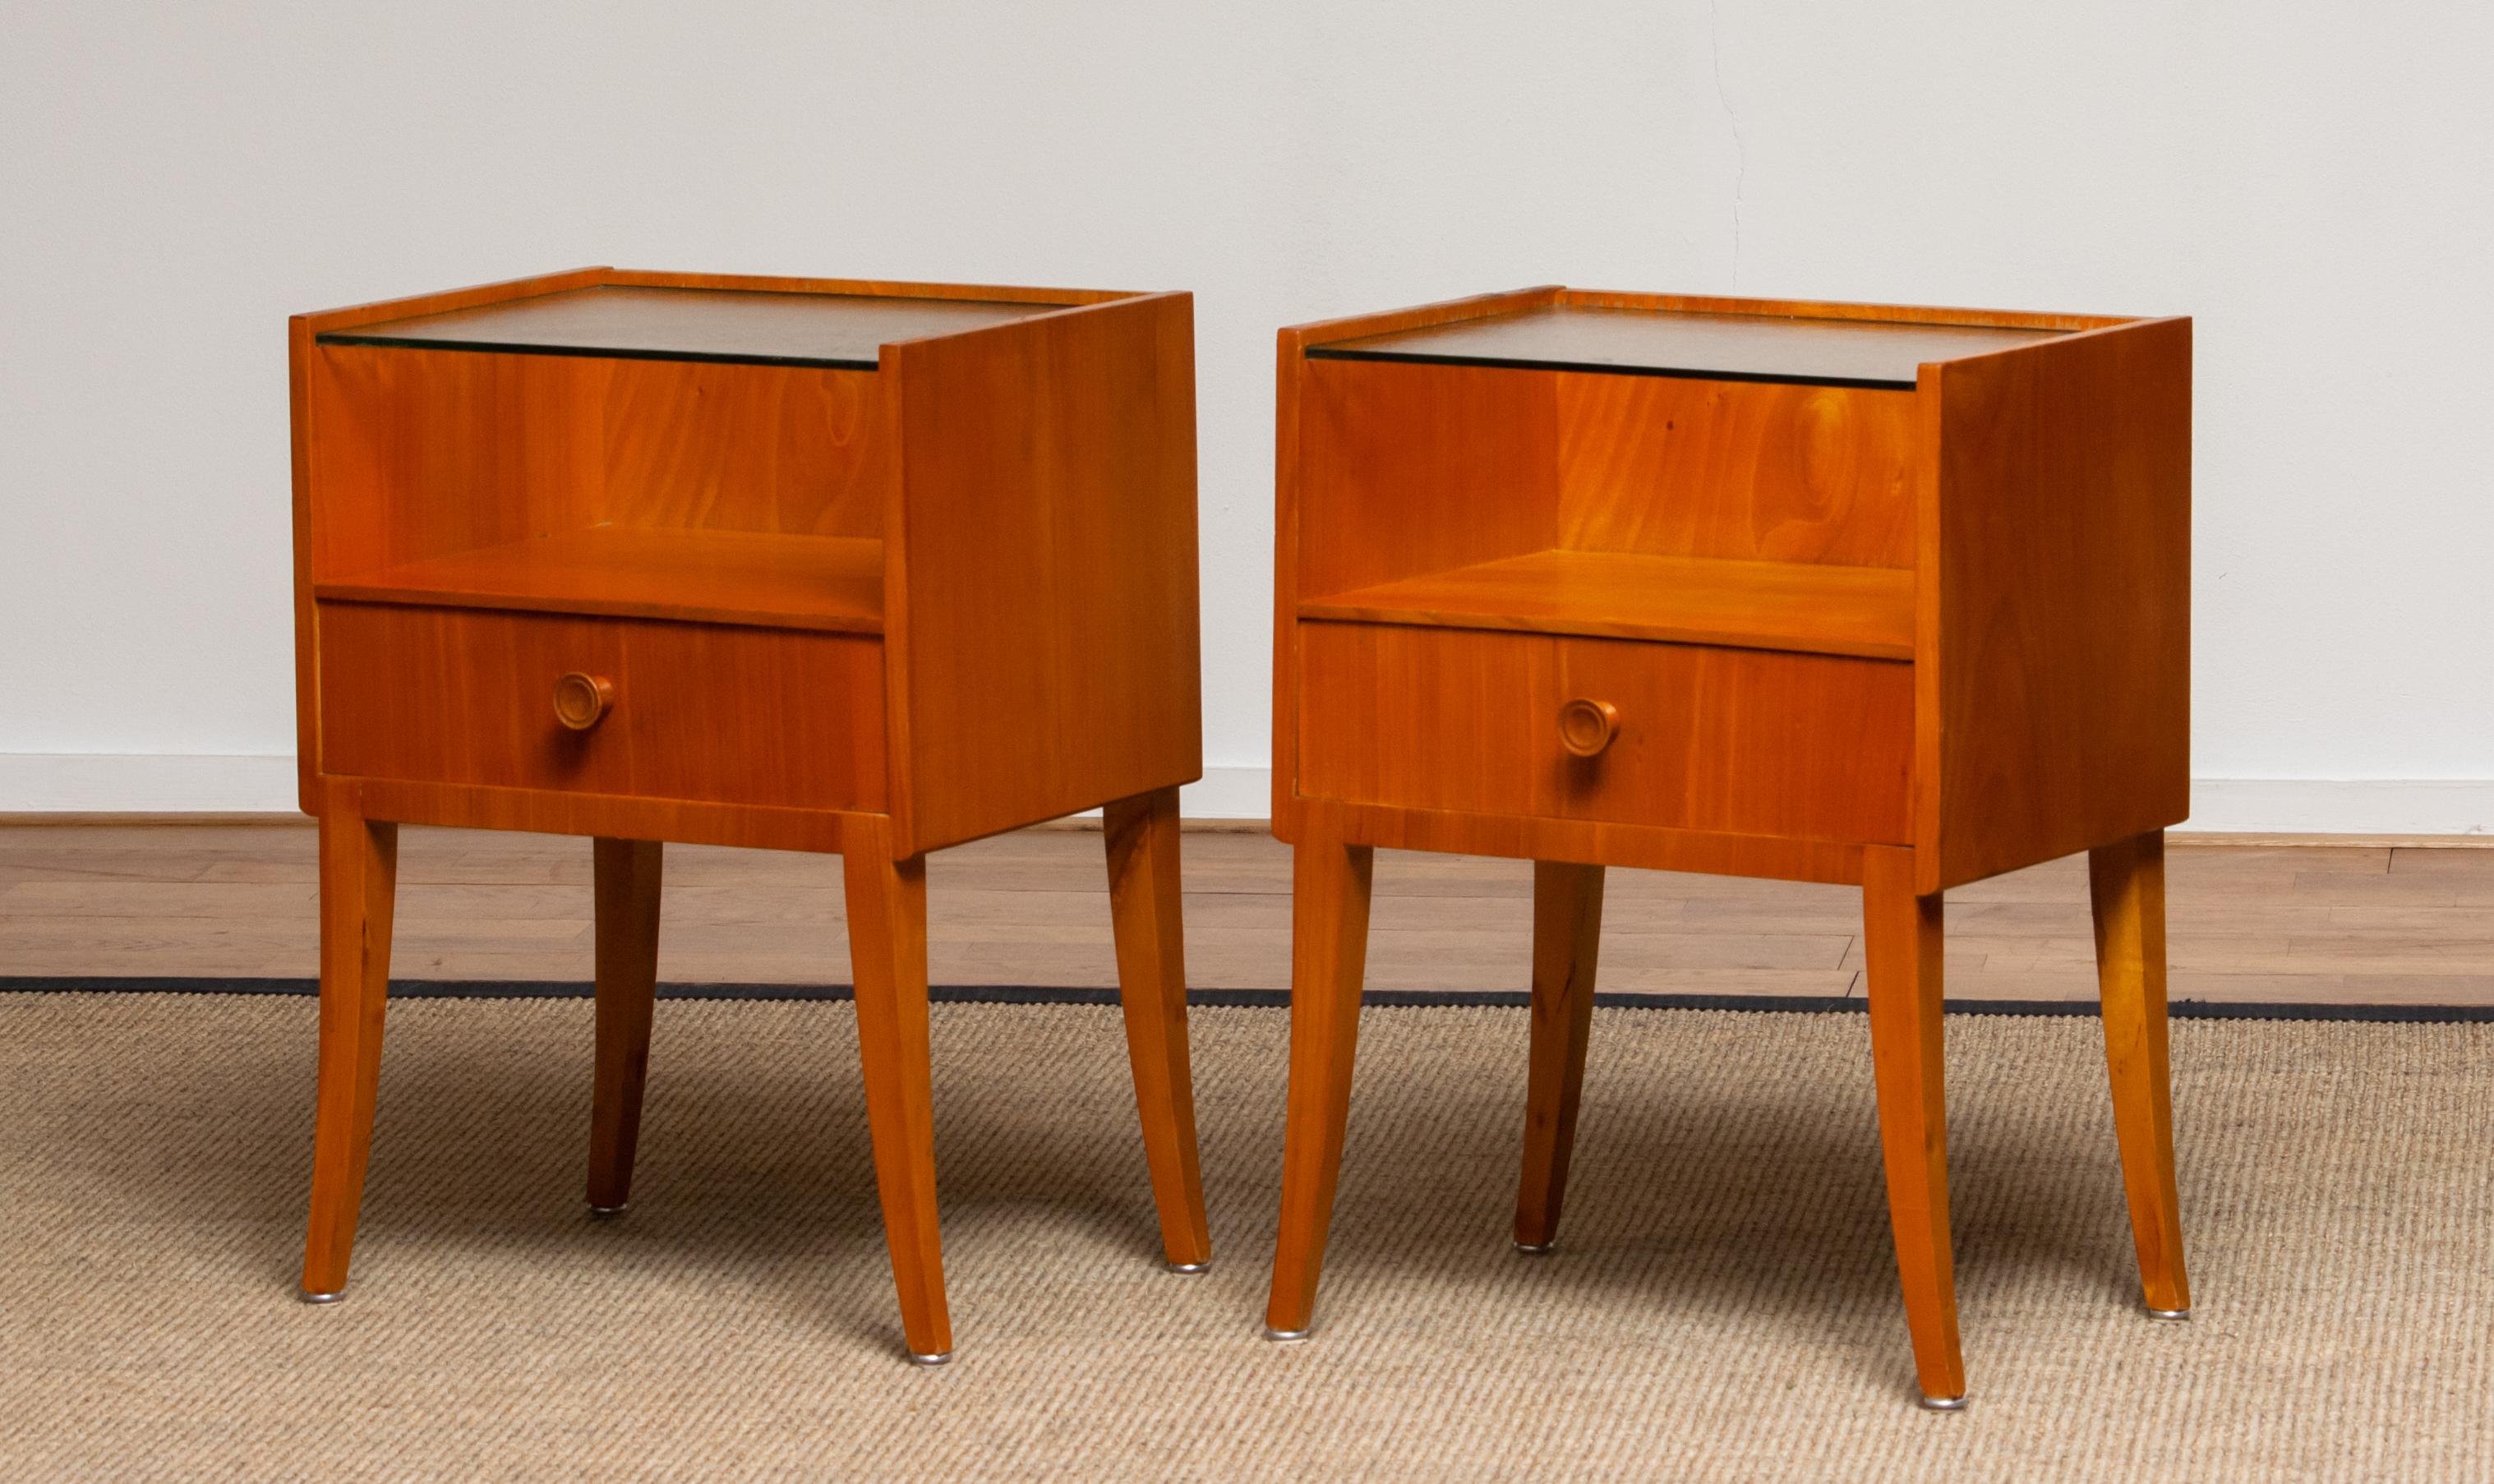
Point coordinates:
[[839, 330], [1675, 343], [831, 582], [1759, 605]]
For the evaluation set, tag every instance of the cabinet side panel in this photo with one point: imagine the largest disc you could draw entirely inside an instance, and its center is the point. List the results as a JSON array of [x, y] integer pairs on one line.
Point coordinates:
[[421, 453], [2053, 614], [1406, 469], [790, 450], [1047, 558], [1747, 470]]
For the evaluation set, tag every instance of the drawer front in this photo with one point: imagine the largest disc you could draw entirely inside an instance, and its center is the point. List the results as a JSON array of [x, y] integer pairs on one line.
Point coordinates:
[[708, 713], [1692, 736]]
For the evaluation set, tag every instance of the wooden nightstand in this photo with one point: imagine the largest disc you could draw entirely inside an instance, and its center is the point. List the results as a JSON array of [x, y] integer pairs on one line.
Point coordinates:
[[863, 567], [1821, 592]]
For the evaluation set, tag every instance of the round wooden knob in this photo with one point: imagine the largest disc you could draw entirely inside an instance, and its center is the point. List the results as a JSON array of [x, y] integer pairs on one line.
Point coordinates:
[[1587, 727], [580, 701]]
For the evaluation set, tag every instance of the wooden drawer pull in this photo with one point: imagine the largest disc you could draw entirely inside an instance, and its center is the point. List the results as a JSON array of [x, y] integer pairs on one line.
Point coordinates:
[[1586, 727], [581, 701]]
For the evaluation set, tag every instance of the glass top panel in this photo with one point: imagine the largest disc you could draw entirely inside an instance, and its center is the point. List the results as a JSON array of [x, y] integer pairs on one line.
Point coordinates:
[[692, 324], [1670, 342]]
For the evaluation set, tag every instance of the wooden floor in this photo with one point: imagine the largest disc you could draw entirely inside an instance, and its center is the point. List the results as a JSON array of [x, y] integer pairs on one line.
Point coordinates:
[[2283, 925]]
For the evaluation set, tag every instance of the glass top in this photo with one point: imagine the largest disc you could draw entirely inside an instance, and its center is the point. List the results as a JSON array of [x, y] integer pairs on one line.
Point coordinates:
[[692, 324], [1672, 343]]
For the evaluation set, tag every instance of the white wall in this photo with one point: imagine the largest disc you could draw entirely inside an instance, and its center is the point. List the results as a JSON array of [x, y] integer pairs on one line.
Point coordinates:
[[2310, 181]]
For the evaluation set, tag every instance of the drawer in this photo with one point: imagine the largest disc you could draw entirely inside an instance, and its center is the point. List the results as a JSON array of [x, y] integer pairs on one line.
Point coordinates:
[[1748, 741], [708, 713]]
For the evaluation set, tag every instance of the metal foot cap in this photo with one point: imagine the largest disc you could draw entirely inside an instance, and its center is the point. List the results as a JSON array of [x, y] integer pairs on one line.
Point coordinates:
[[1204, 1266], [1944, 1404], [598, 1213], [1530, 1250], [2169, 1314], [330, 1297], [1284, 1336], [940, 1358]]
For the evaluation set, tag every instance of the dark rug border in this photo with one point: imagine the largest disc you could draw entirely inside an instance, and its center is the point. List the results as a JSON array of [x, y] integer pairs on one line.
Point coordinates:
[[1263, 999]]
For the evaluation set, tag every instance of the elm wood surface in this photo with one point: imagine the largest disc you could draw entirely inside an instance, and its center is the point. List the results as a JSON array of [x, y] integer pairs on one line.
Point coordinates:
[[627, 876], [2126, 887], [1727, 740], [358, 886], [1146, 899], [1728, 348], [2010, 492], [1567, 944], [1902, 947], [820, 565], [844, 331], [828, 583], [1762, 605], [700, 711]]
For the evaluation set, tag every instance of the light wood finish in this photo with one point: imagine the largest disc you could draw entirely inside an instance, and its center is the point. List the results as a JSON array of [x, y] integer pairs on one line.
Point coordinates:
[[1043, 623], [1566, 947], [807, 564], [2126, 887], [628, 876], [1761, 605], [1146, 904], [358, 882], [1897, 597], [887, 902], [827, 583], [1741, 470], [449, 696], [2054, 636], [1329, 897], [1900, 945], [1732, 740]]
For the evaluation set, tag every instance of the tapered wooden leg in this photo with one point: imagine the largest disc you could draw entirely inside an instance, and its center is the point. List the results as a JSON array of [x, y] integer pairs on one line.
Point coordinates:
[[887, 901], [358, 886], [1329, 957], [2128, 883], [1143, 904], [628, 876], [1901, 946], [1566, 942]]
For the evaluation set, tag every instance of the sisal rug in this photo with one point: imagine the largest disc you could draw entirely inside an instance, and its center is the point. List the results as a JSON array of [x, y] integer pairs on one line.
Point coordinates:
[[1722, 1303]]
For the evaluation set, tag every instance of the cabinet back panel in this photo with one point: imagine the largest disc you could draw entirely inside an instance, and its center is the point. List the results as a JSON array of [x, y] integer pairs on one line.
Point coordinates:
[[1746, 471], [1412, 469], [420, 454], [777, 449]]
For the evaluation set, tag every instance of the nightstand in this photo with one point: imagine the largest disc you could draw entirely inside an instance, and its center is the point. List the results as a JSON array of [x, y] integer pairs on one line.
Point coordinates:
[[863, 567], [1894, 597]]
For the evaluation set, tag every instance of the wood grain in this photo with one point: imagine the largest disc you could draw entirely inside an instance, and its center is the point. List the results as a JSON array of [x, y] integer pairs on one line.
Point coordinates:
[[1329, 897], [358, 889], [2054, 612], [1730, 741], [887, 907], [765, 448], [2126, 890], [1746, 470], [628, 874], [1567, 949], [1146, 904], [708, 714], [831, 584], [1901, 936], [1042, 610], [1764, 605]]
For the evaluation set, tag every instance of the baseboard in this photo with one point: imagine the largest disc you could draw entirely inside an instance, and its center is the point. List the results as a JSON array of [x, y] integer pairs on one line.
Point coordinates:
[[229, 785]]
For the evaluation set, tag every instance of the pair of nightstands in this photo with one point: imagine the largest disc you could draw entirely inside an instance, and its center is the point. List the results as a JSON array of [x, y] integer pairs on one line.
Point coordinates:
[[1894, 597]]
